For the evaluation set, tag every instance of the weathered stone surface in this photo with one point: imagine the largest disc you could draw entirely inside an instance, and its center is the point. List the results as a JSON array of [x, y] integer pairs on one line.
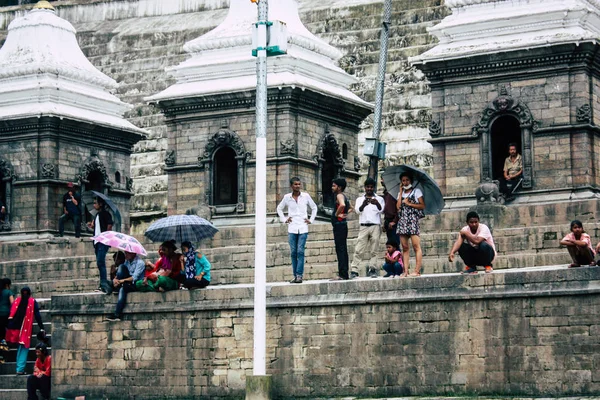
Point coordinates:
[[486, 334]]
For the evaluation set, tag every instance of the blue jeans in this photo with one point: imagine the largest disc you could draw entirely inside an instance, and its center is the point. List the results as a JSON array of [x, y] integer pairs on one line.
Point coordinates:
[[101, 251], [128, 287], [393, 269], [297, 243], [22, 353]]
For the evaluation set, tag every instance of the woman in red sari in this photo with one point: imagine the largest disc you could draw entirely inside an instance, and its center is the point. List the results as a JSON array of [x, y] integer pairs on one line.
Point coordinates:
[[20, 325]]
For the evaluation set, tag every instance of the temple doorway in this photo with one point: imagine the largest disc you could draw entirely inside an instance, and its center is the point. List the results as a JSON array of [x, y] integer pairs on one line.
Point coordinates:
[[225, 177], [328, 174], [505, 129]]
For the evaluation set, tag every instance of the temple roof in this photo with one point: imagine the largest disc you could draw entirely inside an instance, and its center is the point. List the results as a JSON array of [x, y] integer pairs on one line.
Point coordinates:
[[43, 72], [478, 27], [221, 60]]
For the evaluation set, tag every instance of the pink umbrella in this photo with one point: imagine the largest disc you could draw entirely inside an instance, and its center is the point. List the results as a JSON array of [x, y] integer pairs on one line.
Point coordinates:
[[121, 241]]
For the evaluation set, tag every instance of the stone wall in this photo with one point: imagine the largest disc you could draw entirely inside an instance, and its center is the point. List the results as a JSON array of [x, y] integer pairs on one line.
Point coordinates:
[[532, 333]]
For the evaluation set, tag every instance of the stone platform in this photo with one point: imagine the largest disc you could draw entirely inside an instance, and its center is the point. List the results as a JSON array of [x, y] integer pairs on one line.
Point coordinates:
[[522, 332]]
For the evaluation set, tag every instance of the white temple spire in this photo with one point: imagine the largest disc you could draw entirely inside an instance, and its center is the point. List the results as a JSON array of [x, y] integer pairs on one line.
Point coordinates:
[[43, 72]]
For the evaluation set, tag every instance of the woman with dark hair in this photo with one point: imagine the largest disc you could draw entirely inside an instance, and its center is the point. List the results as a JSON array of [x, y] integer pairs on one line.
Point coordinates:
[[168, 276], [410, 209], [20, 325], [40, 380], [197, 267]]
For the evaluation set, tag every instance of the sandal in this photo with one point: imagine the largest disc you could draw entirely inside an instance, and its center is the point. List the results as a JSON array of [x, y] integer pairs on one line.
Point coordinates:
[[414, 274], [574, 266]]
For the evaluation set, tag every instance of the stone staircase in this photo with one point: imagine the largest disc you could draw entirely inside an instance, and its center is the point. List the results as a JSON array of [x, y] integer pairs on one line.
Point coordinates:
[[13, 387], [526, 235]]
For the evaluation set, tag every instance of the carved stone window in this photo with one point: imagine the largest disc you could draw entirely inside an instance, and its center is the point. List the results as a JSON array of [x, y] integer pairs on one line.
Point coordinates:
[[224, 162], [511, 118], [330, 165], [92, 176], [7, 176]]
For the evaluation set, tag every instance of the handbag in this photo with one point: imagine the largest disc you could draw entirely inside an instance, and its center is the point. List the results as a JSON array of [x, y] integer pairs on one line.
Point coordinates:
[[420, 213]]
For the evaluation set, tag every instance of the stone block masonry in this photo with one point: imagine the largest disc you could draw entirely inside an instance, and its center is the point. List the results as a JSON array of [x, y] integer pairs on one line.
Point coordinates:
[[525, 333]]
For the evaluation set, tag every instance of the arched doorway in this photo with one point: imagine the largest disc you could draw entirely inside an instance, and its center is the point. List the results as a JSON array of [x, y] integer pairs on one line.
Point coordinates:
[[225, 179], [224, 163], [7, 175], [505, 129], [503, 121], [328, 174]]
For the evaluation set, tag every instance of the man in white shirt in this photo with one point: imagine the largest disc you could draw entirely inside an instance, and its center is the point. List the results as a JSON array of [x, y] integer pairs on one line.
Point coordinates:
[[475, 245], [369, 207], [297, 221]]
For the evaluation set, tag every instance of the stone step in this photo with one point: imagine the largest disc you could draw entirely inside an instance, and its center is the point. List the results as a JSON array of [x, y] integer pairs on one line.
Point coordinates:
[[10, 368], [49, 288], [14, 394], [11, 354], [12, 382]]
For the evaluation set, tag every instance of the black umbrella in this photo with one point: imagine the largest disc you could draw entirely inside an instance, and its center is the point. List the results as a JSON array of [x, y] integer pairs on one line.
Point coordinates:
[[434, 200], [88, 199]]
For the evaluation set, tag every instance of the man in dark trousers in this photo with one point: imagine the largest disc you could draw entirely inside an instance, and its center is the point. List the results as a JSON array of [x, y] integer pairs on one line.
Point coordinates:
[[71, 211], [340, 227], [101, 223]]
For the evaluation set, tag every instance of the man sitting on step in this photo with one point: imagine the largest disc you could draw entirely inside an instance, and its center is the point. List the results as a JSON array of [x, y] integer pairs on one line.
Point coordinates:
[[475, 245], [513, 173]]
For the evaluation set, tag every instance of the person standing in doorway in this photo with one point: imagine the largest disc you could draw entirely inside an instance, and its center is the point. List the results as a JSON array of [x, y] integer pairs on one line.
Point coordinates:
[[340, 227], [71, 211], [369, 207], [297, 204], [512, 172], [102, 222], [410, 209]]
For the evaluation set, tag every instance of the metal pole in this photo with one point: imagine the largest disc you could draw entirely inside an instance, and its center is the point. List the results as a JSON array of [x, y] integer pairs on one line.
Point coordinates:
[[260, 233], [385, 34]]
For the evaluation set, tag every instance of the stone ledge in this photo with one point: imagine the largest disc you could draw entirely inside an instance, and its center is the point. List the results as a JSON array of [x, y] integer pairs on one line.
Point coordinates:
[[533, 282]]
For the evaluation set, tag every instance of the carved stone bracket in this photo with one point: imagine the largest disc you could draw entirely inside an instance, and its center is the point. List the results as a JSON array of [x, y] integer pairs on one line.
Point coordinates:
[[49, 171], [435, 128], [356, 163], [584, 114], [129, 184], [287, 146], [170, 158]]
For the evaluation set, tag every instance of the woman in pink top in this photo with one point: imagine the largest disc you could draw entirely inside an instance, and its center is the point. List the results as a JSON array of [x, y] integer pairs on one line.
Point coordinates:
[[579, 245]]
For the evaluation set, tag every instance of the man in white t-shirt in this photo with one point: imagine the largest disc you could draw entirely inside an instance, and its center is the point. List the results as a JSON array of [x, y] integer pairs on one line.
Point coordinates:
[[297, 204], [369, 207], [475, 245]]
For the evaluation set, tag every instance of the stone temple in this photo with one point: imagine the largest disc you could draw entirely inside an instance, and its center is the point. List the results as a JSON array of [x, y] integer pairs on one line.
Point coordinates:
[[465, 78]]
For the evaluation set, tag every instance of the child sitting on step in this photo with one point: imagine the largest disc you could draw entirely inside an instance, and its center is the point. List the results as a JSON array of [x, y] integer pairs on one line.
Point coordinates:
[[579, 245], [393, 265]]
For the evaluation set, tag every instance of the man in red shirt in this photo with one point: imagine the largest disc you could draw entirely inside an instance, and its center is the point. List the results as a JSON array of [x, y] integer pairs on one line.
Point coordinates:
[[40, 380]]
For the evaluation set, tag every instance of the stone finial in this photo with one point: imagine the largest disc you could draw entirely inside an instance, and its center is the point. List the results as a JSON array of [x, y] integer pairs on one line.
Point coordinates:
[[41, 56], [221, 60]]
